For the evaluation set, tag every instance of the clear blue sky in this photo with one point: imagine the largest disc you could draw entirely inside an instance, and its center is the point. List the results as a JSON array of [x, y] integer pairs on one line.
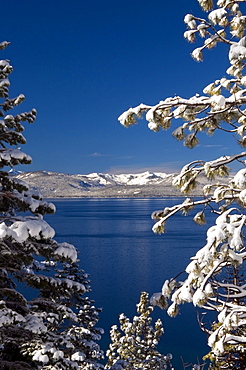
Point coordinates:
[[81, 63]]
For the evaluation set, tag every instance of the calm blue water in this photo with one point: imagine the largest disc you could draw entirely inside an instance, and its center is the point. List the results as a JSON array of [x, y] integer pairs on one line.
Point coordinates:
[[123, 257]]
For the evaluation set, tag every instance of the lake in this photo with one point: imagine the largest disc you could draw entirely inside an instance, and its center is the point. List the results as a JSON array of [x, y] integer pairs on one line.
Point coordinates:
[[124, 257]]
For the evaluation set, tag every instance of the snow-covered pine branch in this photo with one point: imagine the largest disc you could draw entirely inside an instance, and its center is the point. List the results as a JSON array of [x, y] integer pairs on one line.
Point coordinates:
[[46, 321], [215, 193], [134, 344], [215, 279], [223, 105]]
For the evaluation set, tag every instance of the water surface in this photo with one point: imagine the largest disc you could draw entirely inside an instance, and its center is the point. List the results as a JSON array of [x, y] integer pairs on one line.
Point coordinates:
[[123, 257]]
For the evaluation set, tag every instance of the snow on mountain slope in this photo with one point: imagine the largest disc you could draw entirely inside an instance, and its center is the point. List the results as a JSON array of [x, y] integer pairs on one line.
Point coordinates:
[[144, 178], [146, 184]]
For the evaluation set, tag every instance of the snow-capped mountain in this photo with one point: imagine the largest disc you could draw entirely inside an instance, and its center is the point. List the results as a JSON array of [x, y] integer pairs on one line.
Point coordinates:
[[144, 178], [146, 184]]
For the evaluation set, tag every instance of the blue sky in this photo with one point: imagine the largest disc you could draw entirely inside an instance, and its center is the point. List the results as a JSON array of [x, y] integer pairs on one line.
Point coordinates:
[[81, 63]]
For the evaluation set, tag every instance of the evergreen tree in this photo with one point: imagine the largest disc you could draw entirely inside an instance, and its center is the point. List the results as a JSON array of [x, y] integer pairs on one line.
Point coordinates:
[[221, 107], [134, 346], [46, 322]]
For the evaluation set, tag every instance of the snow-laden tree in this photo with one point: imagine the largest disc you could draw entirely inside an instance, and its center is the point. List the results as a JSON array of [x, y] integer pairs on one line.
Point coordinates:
[[134, 345], [214, 276], [46, 322]]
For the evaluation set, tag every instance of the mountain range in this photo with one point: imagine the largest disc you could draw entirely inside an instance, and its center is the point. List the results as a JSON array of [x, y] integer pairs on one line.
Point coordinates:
[[99, 185]]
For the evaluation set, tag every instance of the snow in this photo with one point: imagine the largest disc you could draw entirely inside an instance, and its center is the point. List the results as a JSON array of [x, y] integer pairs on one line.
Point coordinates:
[[5, 231], [222, 315], [208, 290], [242, 196], [40, 357], [78, 356], [218, 102], [4, 63], [188, 18], [237, 52], [144, 178], [224, 246], [154, 300], [217, 15], [152, 126], [199, 297], [239, 179], [38, 229], [131, 113], [73, 285], [35, 324], [9, 316], [22, 230], [3, 45], [189, 35], [20, 98], [197, 54], [9, 154], [173, 310], [4, 82], [67, 250], [219, 347], [166, 290], [185, 293], [58, 354]]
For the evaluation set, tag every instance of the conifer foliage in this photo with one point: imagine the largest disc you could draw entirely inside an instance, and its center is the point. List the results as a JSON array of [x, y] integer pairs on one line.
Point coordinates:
[[220, 107], [134, 346], [46, 322]]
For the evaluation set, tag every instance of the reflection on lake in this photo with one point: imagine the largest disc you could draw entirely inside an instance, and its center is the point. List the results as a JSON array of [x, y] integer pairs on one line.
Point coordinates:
[[123, 257]]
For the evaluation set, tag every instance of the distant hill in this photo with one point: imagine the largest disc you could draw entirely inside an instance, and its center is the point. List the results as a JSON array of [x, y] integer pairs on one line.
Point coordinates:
[[98, 185]]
